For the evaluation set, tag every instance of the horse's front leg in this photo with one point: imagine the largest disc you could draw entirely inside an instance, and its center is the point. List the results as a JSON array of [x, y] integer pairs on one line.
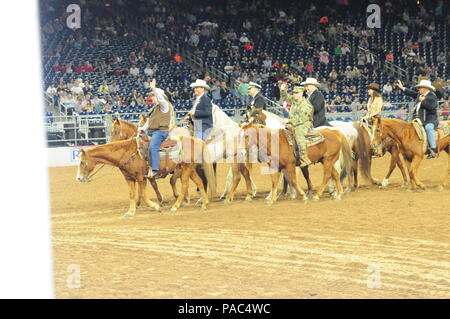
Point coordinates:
[[291, 177], [143, 195], [132, 196], [305, 172]]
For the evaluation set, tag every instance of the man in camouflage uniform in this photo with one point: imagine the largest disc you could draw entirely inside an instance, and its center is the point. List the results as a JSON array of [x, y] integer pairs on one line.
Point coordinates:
[[300, 118]]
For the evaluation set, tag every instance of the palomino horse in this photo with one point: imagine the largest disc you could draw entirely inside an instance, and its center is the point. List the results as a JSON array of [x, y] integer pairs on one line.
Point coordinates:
[[410, 145], [123, 130], [124, 155], [326, 152]]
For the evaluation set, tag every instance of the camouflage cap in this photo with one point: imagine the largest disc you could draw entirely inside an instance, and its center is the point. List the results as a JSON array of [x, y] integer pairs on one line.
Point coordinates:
[[298, 89]]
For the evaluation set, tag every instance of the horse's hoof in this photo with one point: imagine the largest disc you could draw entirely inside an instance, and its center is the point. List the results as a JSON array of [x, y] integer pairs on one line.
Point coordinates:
[[404, 185], [248, 199], [227, 202], [409, 190], [173, 210], [347, 191], [315, 198], [158, 208], [222, 197], [203, 209], [338, 198], [128, 215], [440, 188], [384, 183], [269, 203]]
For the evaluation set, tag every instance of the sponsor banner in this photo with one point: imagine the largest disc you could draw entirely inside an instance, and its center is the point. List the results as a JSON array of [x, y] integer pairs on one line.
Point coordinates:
[[64, 156]]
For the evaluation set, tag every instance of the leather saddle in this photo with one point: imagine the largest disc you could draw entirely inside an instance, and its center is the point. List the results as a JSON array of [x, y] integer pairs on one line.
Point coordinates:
[[168, 148]]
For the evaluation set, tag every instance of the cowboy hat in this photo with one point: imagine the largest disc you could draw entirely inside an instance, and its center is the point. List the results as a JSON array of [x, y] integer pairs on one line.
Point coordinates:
[[254, 85], [312, 81], [425, 84], [374, 86], [200, 83]]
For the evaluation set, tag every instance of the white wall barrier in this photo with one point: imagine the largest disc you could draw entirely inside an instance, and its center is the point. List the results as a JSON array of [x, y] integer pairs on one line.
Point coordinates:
[[64, 156]]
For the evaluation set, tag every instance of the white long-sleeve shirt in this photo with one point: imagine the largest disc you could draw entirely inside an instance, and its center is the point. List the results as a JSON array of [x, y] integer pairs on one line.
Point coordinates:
[[163, 104]]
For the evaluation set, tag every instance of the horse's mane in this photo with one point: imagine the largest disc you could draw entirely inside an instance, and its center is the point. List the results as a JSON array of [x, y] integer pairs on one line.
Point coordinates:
[[128, 123], [112, 146]]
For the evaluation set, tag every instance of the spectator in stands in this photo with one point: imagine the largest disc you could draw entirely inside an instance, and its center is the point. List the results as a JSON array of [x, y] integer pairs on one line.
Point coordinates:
[[149, 71], [390, 57], [402, 113], [348, 72], [228, 68], [345, 48], [215, 92], [51, 90], [76, 89], [387, 89], [243, 92], [103, 88], [323, 56], [134, 70]]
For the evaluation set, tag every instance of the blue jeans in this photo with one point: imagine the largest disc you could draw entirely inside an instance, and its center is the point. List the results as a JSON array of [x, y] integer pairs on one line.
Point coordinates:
[[430, 134], [157, 138], [200, 134]]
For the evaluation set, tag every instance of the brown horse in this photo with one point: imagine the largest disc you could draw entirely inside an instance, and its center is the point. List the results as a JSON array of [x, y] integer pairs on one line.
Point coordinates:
[[327, 153], [365, 151], [124, 155], [410, 145], [123, 130]]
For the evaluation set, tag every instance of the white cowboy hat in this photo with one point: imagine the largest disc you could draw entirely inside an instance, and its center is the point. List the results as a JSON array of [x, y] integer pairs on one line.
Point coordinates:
[[254, 84], [425, 84], [200, 83], [312, 81]]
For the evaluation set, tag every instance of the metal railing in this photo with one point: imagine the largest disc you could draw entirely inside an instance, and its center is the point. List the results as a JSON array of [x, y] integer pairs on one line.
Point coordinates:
[[80, 130]]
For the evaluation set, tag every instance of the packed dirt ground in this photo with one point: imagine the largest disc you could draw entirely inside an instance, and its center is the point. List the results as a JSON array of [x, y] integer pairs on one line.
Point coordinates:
[[375, 243]]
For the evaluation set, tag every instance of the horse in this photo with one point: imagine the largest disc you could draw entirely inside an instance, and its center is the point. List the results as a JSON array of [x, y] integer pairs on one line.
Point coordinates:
[[411, 147], [224, 130], [326, 152], [363, 153], [124, 154], [123, 130]]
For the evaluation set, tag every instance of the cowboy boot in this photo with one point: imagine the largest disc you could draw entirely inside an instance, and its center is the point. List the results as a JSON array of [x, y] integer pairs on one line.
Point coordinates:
[[433, 153], [304, 159]]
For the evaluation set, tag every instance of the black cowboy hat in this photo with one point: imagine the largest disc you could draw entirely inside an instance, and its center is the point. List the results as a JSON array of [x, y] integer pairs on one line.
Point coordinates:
[[374, 86]]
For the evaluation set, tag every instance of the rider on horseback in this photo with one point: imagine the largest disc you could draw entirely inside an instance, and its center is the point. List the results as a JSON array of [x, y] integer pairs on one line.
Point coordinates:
[[300, 118], [425, 110], [158, 124], [257, 103], [374, 107]]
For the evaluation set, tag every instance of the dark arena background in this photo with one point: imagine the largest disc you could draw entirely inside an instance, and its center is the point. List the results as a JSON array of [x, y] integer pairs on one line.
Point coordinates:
[[379, 241]]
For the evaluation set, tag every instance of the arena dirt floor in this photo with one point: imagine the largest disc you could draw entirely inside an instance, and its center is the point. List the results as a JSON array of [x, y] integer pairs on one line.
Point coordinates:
[[375, 243]]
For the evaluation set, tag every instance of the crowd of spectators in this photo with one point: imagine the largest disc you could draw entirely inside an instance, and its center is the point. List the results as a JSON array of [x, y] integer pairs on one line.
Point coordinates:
[[233, 32]]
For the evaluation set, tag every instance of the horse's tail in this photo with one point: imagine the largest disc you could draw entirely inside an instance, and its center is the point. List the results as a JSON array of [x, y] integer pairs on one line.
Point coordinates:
[[363, 151], [346, 153], [207, 164]]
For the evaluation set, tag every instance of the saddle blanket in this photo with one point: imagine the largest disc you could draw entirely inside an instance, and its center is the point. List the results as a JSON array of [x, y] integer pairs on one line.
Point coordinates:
[[313, 137]]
